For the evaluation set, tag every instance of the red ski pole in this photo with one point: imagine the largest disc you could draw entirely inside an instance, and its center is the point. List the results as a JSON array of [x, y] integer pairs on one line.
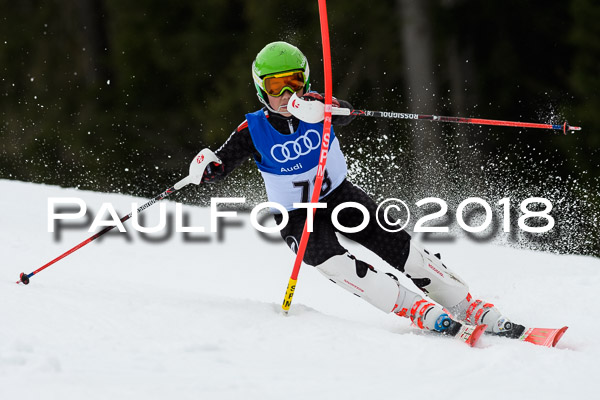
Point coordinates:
[[197, 167], [312, 111], [24, 278], [458, 120]]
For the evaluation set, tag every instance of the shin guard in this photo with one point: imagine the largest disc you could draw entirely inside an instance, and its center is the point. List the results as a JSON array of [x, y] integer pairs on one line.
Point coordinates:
[[377, 288], [431, 276], [383, 291]]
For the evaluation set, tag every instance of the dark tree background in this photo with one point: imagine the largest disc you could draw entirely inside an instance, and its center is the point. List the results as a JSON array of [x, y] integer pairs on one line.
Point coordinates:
[[119, 95]]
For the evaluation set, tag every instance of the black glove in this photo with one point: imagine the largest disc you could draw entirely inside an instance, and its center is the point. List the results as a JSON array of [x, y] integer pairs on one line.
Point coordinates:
[[312, 96], [212, 173]]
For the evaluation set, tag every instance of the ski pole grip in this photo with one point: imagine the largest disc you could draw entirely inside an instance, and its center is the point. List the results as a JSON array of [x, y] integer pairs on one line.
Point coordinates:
[[340, 111], [197, 167], [184, 182], [199, 163], [311, 111]]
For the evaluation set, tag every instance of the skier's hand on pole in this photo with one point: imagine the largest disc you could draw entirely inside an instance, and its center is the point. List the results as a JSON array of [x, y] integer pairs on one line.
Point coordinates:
[[214, 172], [198, 173], [314, 96], [310, 107], [198, 169]]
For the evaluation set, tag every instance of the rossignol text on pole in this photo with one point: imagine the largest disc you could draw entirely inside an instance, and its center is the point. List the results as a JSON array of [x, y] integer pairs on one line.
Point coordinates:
[[312, 112], [564, 127]]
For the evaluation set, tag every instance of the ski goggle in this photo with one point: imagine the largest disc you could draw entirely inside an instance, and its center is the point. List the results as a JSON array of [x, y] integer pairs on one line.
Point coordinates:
[[275, 85]]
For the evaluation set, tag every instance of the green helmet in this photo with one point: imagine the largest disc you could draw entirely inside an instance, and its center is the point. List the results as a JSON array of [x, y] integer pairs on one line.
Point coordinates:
[[274, 58]]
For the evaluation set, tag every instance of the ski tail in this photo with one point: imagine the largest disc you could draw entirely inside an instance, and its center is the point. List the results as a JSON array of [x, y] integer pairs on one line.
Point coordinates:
[[470, 334]]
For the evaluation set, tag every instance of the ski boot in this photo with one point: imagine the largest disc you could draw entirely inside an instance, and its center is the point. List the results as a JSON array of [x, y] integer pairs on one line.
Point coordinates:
[[432, 317], [477, 312]]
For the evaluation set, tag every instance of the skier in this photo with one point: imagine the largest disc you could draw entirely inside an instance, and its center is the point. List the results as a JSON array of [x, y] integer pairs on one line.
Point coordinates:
[[286, 151]]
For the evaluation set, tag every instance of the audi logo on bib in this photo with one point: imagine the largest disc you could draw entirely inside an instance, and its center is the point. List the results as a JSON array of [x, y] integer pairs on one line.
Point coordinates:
[[293, 149]]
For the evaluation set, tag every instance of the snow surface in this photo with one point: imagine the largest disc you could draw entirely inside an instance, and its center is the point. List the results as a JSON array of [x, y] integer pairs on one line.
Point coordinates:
[[129, 319]]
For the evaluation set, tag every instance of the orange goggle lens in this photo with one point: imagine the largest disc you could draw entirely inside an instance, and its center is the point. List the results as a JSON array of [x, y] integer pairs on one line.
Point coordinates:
[[276, 84]]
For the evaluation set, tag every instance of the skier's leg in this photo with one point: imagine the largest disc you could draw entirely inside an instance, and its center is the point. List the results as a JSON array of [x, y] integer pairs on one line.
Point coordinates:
[[426, 270], [324, 251], [445, 287], [383, 291]]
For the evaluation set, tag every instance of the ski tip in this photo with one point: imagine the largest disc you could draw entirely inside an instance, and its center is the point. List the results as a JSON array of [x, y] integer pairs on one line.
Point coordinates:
[[476, 334], [559, 334]]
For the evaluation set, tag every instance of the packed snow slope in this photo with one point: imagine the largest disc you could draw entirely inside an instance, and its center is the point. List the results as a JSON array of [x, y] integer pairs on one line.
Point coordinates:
[[125, 318]]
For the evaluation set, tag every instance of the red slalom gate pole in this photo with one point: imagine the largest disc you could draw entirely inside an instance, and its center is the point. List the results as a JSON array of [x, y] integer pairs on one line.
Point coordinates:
[[289, 294]]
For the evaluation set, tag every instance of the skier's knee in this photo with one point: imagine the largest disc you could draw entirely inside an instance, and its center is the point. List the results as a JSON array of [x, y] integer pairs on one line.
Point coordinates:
[[431, 276], [377, 288]]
